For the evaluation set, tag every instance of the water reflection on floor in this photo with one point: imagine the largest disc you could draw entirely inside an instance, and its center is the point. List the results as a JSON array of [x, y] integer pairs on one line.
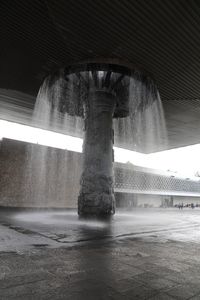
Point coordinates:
[[58, 228], [143, 254]]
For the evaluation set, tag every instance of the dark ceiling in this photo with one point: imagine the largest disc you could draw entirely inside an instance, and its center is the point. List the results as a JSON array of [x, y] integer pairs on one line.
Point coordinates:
[[161, 37]]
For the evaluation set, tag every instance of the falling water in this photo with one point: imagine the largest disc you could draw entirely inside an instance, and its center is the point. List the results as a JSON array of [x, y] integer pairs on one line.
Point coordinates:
[[142, 131], [50, 172]]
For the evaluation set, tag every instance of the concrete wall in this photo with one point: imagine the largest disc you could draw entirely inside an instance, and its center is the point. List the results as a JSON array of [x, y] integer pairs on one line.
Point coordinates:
[[149, 200], [22, 181], [138, 200], [29, 179], [186, 200], [145, 200], [12, 160]]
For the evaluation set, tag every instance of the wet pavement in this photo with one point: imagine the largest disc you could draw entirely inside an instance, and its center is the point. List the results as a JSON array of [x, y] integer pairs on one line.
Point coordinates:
[[143, 254]]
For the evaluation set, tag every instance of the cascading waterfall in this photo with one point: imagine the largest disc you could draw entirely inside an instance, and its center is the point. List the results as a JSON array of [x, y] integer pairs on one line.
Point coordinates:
[[49, 171], [60, 106]]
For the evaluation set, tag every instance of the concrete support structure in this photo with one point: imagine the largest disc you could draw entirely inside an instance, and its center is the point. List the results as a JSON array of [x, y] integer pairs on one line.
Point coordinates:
[[97, 195], [100, 93]]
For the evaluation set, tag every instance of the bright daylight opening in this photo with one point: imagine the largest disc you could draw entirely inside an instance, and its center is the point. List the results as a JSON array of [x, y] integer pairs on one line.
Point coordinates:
[[183, 161]]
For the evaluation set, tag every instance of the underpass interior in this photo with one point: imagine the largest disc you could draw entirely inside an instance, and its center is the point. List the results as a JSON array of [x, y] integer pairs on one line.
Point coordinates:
[[148, 246]]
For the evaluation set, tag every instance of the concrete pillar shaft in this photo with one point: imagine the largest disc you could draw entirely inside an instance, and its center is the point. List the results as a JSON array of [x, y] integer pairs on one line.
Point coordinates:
[[96, 195]]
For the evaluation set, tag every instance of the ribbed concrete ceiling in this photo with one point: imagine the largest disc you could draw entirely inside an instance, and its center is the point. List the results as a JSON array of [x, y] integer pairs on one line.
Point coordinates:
[[161, 37]]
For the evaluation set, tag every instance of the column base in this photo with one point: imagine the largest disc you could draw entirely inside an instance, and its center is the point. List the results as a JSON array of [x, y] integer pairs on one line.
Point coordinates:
[[96, 196], [96, 205]]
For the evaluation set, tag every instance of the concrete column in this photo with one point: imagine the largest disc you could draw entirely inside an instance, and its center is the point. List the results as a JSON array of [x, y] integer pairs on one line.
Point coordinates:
[[96, 194]]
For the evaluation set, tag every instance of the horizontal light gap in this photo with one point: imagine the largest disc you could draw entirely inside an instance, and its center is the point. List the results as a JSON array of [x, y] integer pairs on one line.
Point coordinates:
[[180, 162]]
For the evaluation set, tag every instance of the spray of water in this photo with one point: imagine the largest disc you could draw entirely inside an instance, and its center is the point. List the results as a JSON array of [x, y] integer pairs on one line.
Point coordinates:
[[50, 172], [60, 107], [142, 131]]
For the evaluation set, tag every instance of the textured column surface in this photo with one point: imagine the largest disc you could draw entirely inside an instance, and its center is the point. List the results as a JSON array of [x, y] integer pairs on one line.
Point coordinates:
[[96, 194]]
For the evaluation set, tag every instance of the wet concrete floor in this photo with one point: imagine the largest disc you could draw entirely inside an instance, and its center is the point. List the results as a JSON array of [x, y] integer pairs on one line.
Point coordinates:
[[143, 254]]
